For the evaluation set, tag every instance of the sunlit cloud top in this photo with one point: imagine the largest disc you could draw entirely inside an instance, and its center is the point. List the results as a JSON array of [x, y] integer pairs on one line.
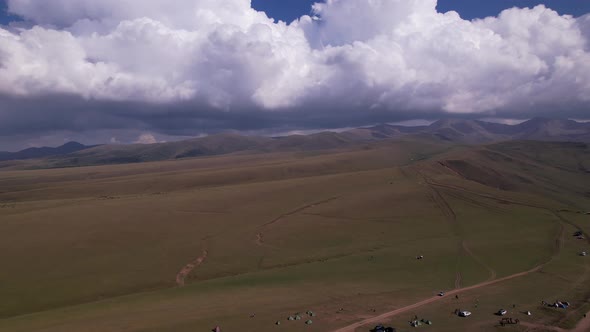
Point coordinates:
[[184, 66]]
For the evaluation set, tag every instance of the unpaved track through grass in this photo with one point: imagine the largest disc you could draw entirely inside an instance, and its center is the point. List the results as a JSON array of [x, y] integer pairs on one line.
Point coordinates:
[[447, 210], [493, 273], [559, 241], [299, 209], [540, 327], [387, 315], [458, 280], [583, 326], [188, 268], [259, 239]]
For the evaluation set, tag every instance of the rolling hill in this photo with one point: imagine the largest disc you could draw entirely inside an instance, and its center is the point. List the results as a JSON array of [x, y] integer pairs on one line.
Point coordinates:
[[245, 240], [42, 152], [537, 129], [449, 131]]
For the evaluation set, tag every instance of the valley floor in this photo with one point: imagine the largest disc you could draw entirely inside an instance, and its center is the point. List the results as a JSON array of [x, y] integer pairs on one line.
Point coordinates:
[[245, 241]]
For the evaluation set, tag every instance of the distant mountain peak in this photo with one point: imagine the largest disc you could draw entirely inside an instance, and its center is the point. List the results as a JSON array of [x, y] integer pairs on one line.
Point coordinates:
[[451, 131], [72, 144], [450, 122], [42, 152]]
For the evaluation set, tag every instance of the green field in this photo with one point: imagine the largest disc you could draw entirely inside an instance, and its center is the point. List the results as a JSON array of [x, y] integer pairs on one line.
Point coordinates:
[[99, 248]]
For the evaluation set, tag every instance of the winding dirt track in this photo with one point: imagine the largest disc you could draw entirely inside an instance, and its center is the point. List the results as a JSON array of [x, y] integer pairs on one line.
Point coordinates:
[[458, 279], [559, 243], [535, 327], [188, 268], [450, 214], [382, 317], [259, 239], [583, 326], [492, 272], [300, 209]]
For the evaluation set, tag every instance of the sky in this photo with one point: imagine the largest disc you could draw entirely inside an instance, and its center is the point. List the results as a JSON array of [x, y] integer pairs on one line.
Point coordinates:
[[123, 71], [289, 10]]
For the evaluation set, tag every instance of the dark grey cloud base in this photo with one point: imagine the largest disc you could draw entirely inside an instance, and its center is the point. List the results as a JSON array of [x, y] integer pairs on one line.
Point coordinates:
[[113, 71], [62, 118]]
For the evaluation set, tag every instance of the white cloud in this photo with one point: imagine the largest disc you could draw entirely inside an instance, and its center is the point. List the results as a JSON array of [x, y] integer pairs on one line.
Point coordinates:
[[392, 55], [146, 139]]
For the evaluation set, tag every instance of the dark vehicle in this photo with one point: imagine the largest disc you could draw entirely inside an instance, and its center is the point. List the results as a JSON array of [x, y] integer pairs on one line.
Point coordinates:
[[381, 328]]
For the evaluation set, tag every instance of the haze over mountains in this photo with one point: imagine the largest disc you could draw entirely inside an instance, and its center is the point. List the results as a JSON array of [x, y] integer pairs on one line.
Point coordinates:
[[448, 130], [32, 153]]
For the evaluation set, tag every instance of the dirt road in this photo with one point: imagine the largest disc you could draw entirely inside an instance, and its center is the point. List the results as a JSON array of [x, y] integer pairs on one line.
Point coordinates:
[[259, 239], [539, 327], [583, 326], [299, 209], [492, 272], [458, 279], [188, 268], [380, 318], [387, 315]]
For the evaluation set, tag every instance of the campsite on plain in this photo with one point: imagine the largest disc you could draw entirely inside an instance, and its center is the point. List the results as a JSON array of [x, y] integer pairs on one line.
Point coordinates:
[[294, 166], [335, 231]]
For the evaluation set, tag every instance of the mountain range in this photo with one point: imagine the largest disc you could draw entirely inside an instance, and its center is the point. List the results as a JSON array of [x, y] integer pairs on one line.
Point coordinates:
[[454, 131], [42, 152]]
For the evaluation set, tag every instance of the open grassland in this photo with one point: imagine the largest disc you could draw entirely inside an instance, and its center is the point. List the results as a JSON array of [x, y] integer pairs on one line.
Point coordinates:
[[101, 248]]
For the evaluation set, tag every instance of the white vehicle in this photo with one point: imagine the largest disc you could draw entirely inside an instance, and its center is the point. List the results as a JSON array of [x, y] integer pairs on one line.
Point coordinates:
[[502, 312], [583, 253], [464, 313], [441, 293]]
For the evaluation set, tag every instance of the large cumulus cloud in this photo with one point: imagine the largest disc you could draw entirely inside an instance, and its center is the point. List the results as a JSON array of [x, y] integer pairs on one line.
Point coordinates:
[[189, 65]]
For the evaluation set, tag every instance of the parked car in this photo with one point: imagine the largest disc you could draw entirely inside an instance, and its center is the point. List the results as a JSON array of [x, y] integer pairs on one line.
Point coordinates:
[[502, 312], [464, 313]]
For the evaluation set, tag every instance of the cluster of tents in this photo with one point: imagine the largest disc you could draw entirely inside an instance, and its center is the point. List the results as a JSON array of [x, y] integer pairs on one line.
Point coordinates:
[[413, 323], [297, 316], [416, 322], [560, 304], [557, 304]]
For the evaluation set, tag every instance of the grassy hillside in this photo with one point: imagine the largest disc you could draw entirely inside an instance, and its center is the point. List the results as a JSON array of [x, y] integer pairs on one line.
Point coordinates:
[[448, 131], [100, 248]]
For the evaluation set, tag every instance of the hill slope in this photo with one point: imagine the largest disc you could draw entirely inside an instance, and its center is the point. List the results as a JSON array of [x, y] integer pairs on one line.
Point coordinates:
[[34, 153], [290, 232], [445, 131]]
